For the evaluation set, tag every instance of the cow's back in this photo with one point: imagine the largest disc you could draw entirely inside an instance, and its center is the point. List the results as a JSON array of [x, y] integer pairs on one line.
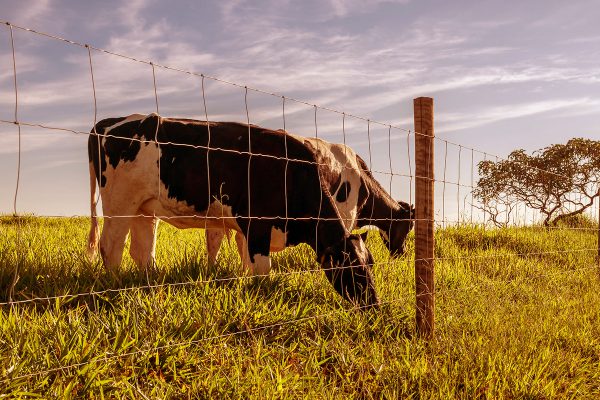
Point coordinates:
[[253, 171]]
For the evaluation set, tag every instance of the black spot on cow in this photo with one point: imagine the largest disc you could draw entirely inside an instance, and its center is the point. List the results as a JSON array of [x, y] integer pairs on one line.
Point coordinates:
[[343, 192], [121, 145], [121, 150]]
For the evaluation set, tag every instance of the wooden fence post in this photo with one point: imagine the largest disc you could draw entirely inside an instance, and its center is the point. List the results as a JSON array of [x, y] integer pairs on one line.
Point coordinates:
[[424, 216]]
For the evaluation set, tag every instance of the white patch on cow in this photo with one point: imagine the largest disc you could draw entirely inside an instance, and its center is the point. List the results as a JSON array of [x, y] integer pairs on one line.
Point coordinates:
[[361, 251], [278, 239], [344, 164], [261, 265], [131, 183], [360, 247], [130, 118], [151, 115]]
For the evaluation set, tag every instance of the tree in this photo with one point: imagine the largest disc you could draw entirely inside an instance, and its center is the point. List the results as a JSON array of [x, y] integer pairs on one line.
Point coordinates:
[[560, 181]]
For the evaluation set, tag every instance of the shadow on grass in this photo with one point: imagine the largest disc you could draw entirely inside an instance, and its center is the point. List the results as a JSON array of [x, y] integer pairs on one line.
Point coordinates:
[[297, 297], [74, 282], [77, 278]]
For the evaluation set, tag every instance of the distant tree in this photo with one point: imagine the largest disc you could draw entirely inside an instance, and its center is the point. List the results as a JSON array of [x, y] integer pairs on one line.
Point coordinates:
[[560, 181]]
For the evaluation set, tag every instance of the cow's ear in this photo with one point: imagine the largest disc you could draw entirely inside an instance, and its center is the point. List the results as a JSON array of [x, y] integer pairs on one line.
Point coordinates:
[[407, 211]]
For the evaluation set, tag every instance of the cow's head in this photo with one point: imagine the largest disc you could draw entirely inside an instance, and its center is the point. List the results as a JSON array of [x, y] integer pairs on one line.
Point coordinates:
[[401, 224], [347, 265]]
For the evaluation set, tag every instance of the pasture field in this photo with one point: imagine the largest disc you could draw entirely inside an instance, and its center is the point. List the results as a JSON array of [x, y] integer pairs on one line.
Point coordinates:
[[517, 316]]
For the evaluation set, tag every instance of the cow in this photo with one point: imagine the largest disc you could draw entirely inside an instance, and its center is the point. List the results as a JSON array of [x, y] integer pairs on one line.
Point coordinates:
[[360, 200], [198, 174]]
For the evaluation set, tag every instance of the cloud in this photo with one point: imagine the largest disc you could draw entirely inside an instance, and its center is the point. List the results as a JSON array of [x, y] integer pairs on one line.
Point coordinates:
[[592, 39], [332, 69], [455, 121], [31, 139], [344, 8], [30, 11], [341, 71]]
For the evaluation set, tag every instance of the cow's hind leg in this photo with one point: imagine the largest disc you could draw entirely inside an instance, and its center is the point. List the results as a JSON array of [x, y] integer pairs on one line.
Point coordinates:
[[242, 246], [214, 237], [256, 248], [143, 241], [112, 241]]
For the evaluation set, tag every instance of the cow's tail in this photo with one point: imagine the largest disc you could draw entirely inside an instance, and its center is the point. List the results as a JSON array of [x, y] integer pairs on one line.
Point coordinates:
[[92, 246]]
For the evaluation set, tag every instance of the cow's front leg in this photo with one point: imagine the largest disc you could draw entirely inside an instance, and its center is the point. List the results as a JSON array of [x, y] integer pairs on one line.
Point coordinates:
[[214, 237], [254, 250]]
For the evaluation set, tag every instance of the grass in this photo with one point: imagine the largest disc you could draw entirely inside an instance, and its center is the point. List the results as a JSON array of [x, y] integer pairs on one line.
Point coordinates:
[[517, 316]]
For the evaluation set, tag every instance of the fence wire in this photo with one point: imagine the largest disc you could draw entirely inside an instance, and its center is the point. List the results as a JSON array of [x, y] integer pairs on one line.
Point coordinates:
[[468, 210]]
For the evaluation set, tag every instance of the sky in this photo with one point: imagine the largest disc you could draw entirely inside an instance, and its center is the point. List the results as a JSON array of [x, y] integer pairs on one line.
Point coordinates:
[[503, 75]]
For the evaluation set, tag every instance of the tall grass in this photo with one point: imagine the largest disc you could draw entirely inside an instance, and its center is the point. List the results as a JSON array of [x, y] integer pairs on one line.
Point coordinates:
[[517, 316]]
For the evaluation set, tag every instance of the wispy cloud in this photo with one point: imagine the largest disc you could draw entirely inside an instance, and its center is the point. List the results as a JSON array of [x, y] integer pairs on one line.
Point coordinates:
[[455, 121], [344, 8], [34, 11]]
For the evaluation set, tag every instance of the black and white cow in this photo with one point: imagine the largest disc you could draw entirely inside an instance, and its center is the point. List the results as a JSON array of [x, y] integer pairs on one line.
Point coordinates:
[[262, 183], [360, 199]]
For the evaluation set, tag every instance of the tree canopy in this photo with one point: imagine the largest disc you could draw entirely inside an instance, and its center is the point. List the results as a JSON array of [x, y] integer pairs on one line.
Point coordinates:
[[560, 181]]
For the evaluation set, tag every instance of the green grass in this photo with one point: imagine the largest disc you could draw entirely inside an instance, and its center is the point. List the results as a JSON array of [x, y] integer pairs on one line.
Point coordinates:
[[517, 316]]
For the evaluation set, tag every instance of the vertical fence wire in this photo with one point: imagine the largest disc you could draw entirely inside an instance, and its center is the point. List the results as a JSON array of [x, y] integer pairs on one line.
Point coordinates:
[[458, 216], [444, 184], [248, 228], [19, 255], [94, 199], [209, 200], [484, 200], [472, 183], [16, 118], [370, 168], [410, 169], [158, 121], [158, 156], [389, 231], [343, 173], [320, 182], [285, 172], [345, 166]]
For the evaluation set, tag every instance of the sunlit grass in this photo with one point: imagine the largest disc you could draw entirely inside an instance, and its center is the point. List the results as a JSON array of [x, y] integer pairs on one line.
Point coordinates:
[[517, 316]]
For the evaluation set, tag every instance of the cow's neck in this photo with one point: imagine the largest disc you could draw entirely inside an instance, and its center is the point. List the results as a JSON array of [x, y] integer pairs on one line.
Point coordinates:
[[329, 230], [379, 207]]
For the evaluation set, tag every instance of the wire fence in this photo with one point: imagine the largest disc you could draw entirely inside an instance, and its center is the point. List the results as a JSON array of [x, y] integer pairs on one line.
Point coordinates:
[[455, 183]]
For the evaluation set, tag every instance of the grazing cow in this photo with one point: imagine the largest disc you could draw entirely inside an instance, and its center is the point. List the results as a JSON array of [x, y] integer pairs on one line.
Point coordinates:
[[359, 198], [191, 174]]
